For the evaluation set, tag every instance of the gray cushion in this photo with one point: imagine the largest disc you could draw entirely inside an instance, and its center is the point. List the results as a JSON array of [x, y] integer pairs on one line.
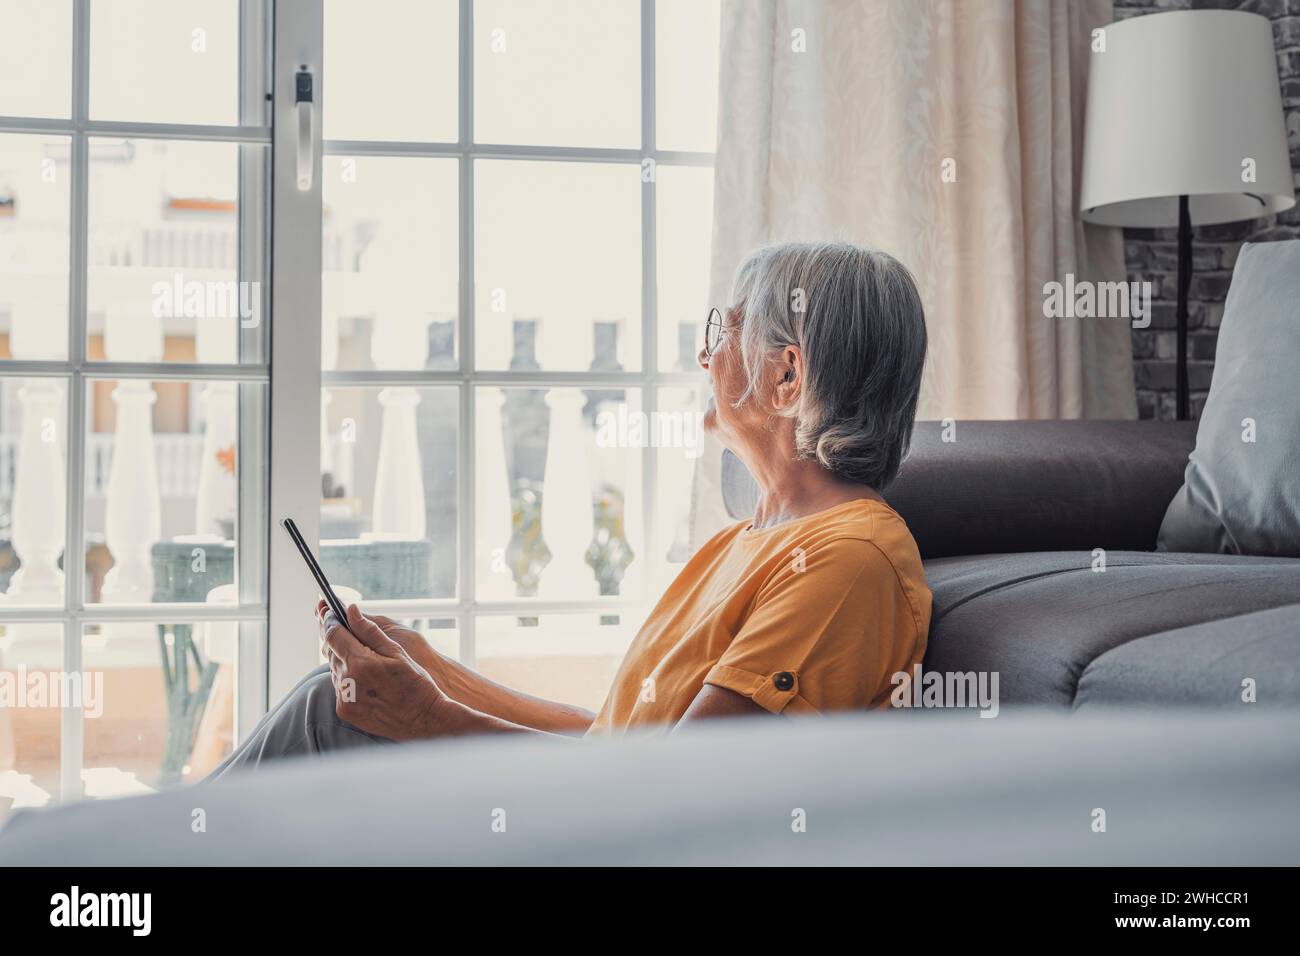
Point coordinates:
[[1040, 620], [1203, 665], [1243, 497]]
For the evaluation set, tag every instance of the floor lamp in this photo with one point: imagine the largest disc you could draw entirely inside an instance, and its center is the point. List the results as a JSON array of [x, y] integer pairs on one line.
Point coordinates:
[[1184, 127]]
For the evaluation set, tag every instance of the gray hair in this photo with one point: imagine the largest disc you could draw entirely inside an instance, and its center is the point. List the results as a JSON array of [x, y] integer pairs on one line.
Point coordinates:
[[856, 316]]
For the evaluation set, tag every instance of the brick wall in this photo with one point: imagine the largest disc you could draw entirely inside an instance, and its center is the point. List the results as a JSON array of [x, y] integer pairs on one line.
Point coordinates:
[[1152, 254]]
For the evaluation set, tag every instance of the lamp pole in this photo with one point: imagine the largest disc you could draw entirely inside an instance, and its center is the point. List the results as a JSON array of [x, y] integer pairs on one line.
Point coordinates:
[[1184, 282]]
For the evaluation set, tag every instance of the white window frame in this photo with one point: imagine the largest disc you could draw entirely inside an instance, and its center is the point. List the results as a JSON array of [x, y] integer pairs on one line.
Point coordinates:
[[77, 373], [279, 458], [465, 608]]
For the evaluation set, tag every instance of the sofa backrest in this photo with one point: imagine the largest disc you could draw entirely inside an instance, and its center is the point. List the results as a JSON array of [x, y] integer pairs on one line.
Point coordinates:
[[978, 487]]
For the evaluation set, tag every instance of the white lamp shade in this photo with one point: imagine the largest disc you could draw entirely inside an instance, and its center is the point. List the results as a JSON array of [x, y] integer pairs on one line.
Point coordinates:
[[1185, 103]]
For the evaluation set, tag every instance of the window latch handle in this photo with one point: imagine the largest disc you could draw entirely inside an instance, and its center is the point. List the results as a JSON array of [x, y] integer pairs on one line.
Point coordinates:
[[303, 103]]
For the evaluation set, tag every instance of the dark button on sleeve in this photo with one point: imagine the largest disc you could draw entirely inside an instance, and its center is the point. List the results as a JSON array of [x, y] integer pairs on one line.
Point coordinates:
[[784, 681]]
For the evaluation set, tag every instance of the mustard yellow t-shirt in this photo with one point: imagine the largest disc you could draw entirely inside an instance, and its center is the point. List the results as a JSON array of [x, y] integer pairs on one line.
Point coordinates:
[[804, 617]]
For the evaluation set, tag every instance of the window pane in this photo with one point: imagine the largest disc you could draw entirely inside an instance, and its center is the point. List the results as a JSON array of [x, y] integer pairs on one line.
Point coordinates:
[[684, 227], [686, 74], [162, 489], [568, 657], [391, 267], [36, 69], [388, 484], [679, 435], [558, 72], [558, 483], [391, 69], [557, 265], [158, 704], [165, 61], [30, 658], [33, 489], [164, 280], [34, 215]]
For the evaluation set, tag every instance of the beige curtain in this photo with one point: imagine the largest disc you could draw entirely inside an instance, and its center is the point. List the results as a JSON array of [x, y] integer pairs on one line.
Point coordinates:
[[843, 119]]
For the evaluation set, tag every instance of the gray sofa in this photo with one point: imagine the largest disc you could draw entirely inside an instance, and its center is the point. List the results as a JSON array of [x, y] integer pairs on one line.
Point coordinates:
[[939, 787], [1007, 517]]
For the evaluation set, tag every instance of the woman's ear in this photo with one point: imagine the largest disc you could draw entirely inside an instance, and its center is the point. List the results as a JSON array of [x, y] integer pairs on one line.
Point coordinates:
[[789, 378]]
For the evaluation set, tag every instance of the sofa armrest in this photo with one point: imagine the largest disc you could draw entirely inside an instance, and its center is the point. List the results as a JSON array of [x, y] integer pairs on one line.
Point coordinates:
[[1006, 486]]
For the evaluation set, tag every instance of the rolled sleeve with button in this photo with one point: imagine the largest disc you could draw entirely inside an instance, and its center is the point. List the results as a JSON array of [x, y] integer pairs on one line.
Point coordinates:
[[823, 634]]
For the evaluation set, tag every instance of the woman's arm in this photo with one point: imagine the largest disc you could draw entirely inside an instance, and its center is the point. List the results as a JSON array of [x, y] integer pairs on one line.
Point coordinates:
[[712, 702], [482, 705], [472, 691], [402, 689]]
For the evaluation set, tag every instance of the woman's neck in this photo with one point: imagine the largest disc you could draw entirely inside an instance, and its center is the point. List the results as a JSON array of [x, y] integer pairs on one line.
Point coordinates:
[[794, 489]]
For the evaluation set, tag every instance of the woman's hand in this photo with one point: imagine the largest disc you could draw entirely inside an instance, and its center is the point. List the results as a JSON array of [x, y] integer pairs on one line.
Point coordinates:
[[467, 702], [412, 642], [381, 689]]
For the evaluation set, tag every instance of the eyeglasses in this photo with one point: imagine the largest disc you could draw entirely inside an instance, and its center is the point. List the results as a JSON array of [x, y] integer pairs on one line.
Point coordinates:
[[713, 330]]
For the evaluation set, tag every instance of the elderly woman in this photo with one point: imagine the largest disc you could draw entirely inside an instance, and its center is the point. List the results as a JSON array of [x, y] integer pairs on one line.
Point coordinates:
[[811, 606]]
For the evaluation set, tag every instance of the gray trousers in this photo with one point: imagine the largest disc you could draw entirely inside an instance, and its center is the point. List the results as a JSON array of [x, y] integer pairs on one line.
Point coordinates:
[[303, 724]]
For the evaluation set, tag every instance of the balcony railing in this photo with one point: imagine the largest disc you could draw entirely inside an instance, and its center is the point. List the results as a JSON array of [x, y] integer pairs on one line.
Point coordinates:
[[179, 458], [178, 455]]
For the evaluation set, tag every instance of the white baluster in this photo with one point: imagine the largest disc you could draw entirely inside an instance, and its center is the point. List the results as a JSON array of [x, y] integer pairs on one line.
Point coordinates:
[[133, 519], [566, 500], [329, 357], [399, 482], [494, 580], [217, 499], [399, 340], [619, 466], [39, 501], [39, 506]]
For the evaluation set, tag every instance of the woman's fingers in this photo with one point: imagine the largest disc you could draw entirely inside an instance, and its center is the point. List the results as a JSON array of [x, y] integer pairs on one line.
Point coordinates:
[[322, 610], [338, 639], [374, 626], [371, 634], [325, 619], [324, 622]]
